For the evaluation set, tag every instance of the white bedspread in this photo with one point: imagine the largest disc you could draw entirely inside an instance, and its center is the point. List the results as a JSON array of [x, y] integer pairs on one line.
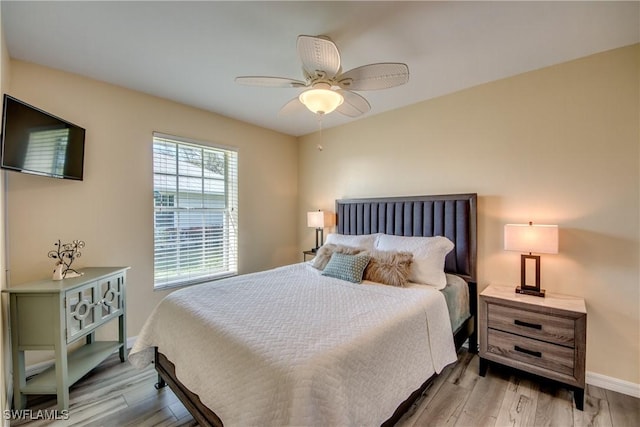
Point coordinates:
[[291, 347]]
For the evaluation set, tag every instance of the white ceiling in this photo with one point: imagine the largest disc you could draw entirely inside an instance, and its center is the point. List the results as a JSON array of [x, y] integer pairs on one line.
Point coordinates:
[[191, 52]]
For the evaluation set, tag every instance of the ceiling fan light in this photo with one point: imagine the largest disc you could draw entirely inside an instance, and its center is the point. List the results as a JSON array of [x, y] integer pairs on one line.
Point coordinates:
[[321, 101]]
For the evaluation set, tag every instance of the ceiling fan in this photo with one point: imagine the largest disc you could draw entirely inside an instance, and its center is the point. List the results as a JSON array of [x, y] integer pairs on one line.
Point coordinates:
[[329, 88]]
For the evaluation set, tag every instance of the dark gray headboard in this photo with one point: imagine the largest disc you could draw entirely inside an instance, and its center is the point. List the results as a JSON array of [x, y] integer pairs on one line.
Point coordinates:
[[453, 216]]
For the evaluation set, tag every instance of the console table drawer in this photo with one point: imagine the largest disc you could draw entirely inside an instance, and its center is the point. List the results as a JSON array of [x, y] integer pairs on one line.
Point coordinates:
[[540, 326], [91, 305], [80, 305], [111, 293], [545, 355]]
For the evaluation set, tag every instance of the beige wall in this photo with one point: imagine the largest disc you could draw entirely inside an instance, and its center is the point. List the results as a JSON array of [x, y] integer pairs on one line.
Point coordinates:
[[112, 209], [559, 145], [4, 337]]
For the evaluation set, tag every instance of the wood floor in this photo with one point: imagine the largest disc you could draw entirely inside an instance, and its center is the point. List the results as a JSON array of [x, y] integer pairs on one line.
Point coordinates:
[[116, 394]]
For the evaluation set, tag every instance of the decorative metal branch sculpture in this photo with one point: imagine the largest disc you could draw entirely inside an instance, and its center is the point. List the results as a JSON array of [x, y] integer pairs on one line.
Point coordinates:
[[66, 253]]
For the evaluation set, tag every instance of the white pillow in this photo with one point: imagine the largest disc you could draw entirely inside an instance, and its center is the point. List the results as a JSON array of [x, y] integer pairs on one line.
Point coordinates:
[[366, 241], [428, 256]]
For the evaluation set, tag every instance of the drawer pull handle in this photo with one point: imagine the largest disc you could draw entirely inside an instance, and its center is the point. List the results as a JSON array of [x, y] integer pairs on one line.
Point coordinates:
[[527, 325], [529, 352]]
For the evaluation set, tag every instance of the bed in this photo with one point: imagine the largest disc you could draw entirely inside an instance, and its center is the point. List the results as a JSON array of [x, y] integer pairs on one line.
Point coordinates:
[[337, 353]]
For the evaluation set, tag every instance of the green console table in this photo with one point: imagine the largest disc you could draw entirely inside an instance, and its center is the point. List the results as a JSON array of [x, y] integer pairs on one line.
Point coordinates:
[[51, 315]]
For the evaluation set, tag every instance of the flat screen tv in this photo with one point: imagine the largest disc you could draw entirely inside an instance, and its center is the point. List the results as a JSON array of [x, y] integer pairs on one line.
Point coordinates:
[[36, 142]]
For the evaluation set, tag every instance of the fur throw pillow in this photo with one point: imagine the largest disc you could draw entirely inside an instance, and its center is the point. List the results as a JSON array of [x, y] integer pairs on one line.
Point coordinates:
[[325, 251], [389, 268]]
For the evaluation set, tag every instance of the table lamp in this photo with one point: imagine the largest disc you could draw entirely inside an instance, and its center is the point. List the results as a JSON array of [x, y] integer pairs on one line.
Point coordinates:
[[318, 220], [539, 239]]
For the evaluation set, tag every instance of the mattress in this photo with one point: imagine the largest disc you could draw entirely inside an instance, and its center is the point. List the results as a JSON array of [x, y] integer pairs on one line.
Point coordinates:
[[292, 347], [456, 294]]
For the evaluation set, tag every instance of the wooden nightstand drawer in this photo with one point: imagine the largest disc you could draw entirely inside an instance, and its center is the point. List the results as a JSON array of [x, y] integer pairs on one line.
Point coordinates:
[[543, 336], [539, 353], [545, 327]]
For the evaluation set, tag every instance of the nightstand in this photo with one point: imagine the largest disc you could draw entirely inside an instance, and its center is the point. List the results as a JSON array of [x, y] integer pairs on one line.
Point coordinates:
[[543, 336], [310, 253]]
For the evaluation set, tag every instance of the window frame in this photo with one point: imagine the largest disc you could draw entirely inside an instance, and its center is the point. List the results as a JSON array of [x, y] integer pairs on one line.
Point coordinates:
[[226, 236]]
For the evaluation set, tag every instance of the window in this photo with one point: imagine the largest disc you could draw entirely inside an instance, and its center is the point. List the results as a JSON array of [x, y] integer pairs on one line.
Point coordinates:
[[195, 193]]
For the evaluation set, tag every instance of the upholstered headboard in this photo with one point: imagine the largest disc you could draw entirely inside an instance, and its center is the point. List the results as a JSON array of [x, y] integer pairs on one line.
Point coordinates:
[[453, 216]]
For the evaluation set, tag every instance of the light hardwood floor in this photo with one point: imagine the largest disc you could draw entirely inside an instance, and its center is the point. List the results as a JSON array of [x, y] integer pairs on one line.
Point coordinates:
[[116, 394]]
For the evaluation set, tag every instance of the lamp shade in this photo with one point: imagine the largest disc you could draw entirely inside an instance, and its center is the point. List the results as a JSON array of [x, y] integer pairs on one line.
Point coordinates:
[[319, 219], [541, 239], [321, 101]]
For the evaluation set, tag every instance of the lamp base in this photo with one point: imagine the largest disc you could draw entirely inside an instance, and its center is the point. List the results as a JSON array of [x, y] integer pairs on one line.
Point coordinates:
[[534, 292]]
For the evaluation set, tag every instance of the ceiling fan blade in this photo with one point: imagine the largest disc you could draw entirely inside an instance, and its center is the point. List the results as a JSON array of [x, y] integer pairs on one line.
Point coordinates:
[[319, 54], [292, 107], [354, 105], [269, 81], [374, 76]]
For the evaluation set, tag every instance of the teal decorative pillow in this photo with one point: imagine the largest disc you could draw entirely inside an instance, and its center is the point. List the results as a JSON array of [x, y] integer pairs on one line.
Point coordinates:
[[346, 267]]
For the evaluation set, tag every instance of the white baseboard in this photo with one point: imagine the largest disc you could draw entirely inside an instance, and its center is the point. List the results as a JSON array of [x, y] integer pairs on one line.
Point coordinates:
[[131, 341], [613, 384], [36, 368]]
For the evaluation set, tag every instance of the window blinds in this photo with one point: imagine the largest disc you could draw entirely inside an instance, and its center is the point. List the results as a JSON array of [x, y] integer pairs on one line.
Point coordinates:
[[46, 151], [195, 192]]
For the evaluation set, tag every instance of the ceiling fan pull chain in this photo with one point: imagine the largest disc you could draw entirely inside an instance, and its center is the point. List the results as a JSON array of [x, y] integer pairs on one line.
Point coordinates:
[[320, 116]]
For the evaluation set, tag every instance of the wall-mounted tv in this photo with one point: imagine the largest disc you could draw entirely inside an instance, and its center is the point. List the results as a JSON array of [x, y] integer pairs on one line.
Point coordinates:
[[36, 142]]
